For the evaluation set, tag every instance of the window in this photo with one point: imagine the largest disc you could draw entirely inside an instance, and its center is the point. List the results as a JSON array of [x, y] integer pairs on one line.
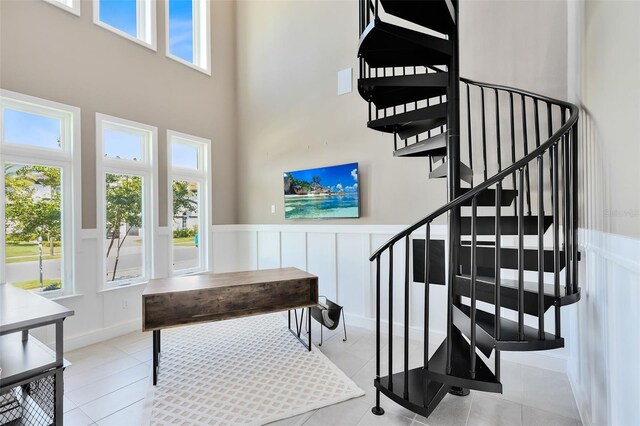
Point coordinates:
[[39, 151], [188, 33], [126, 172], [72, 6], [189, 183], [133, 19]]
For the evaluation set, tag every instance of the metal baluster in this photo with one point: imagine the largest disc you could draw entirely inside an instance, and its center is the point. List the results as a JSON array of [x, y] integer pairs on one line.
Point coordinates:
[[377, 407], [406, 319], [540, 248], [513, 146], [474, 276], [497, 301], [574, 192], [521, 254], [499, 151], [395, 141], [566, 201], [427, 240], [550, 132], [376, 10], [441, 101], [484, 134], [556, 235], [391, 318], [526, 151], [470, 135]]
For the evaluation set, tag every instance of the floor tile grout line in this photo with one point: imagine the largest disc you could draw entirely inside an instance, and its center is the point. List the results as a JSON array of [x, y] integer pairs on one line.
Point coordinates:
[[108, 393], [123, 408], [84, 405]]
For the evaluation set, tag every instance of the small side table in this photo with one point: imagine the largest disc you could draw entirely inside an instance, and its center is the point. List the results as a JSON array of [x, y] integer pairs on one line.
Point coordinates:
[[31, 381]]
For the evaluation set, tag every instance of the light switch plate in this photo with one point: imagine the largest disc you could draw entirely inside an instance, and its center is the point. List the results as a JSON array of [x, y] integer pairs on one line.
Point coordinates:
[[345, 81]]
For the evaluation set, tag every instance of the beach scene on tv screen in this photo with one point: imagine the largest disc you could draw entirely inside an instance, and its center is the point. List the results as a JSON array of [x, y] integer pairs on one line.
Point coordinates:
[[324, 192]]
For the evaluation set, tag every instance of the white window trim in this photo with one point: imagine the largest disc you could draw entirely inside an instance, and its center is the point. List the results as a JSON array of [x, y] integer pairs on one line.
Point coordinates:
[[203, 176], [148, 170], [145, 24], [73, 8], [201, 37], [69, 159]]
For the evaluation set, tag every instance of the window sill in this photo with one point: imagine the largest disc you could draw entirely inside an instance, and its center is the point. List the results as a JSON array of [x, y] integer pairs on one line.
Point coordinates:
[[189, 64], [75, 9], [120, 287]]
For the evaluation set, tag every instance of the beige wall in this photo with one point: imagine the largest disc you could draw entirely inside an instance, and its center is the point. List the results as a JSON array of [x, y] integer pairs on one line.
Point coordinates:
[[611, 117], [290, 116], [52, 54]]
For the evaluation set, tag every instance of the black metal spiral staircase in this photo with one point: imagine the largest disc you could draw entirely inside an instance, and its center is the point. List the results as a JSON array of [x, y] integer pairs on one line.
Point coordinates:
[[519, 262]]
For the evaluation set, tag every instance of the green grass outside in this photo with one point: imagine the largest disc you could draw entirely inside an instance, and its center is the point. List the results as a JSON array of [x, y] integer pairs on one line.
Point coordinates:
[[35, 284], [184, 242], [28, 252]]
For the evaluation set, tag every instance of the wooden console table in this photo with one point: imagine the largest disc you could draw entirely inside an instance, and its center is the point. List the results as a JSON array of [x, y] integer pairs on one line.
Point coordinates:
[[184, 300]]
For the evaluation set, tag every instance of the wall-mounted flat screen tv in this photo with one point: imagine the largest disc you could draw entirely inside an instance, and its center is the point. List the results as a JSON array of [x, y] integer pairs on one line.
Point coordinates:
[[322, 193]]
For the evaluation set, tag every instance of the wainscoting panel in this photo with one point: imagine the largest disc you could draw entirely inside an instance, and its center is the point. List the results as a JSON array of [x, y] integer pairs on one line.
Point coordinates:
[[293, 250], [321, 261], [268, 250]]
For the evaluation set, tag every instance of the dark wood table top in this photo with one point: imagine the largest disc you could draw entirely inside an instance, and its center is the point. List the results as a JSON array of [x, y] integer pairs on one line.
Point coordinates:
[[227, 279]]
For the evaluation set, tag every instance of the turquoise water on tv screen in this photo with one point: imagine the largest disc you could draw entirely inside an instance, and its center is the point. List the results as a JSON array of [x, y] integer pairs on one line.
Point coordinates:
[[321, 206]]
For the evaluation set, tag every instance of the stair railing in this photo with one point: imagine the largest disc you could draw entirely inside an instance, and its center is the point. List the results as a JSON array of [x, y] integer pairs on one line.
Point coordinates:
[[561, 147]]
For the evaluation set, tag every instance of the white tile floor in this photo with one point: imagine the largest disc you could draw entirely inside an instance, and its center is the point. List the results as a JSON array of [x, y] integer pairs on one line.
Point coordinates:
[[107, 383]]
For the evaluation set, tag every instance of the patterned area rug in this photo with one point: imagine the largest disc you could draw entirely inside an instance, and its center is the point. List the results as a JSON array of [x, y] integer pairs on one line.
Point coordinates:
[[245, 371]]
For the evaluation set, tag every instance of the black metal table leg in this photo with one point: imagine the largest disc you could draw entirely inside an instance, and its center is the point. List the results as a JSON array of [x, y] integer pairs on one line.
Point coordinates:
[[156, 351], [298, 331]]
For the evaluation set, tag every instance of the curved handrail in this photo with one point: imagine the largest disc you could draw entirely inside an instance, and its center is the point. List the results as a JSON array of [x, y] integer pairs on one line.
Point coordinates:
[[573, 118]]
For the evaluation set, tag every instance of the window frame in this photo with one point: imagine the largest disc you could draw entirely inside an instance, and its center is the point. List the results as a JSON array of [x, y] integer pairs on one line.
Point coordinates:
[[146, 28], [68, 158], [201, 175], [201, 37], [73, 7], [148, 170]]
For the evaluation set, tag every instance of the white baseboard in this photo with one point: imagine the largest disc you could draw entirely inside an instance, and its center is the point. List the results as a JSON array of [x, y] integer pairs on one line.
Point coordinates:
[[96, 336]]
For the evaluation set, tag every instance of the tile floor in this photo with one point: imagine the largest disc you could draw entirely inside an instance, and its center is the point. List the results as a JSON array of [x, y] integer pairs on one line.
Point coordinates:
[[107, 383]]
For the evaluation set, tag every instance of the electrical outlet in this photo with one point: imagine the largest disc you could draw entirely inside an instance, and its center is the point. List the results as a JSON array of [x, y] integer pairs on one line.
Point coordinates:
[[273, 208]]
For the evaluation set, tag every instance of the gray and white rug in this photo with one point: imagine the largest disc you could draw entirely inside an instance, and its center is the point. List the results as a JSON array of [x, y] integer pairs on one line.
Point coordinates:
[[245, 371]]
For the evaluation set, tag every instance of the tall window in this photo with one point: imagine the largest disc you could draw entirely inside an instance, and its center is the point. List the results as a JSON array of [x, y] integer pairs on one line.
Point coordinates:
[[39, 142], [126, 164], [189, 182], [188, 33], [133, 19]]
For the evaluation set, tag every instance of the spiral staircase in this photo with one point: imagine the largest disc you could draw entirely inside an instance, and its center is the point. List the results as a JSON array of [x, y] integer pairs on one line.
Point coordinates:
[[510, 161]]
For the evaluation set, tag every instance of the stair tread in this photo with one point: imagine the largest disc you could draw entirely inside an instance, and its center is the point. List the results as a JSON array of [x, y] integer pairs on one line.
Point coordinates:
[[508, 225], [488, 197], [485, 257], [424, 147], [509, 335], [387, 45], [435, 391], [436, 15], [417, 127], [390, 91], [465, 172], [391, 123], [529, 286], [484, 341], [484, 379]]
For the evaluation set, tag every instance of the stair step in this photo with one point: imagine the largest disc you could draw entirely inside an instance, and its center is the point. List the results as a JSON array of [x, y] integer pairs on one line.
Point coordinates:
[[387, 45], [485, 256], [417, 127], [488, 197], [416, 401], [390, 91], [509, 336], [484, 379], [394, 123], [465, 172], [484, 341], [486, 225], [425, 147], [485, 292], [436, 15]]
